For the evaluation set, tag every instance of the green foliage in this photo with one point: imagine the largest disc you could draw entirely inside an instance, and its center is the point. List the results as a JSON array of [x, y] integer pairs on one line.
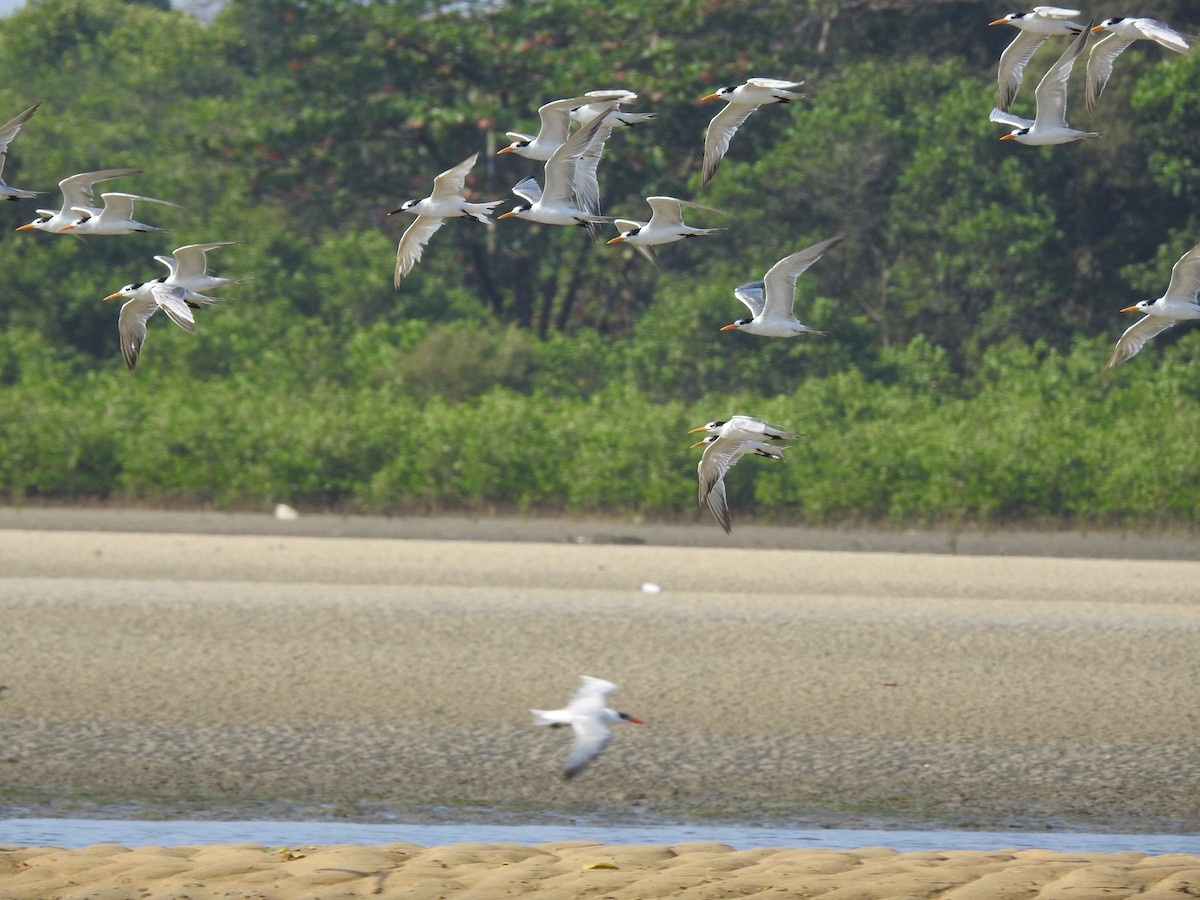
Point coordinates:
[[968, 311]]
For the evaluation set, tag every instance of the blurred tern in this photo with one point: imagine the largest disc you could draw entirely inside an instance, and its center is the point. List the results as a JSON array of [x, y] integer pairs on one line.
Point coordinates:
[[115, 218], [559, 203], [598, 102], [143, 300], [1177, 305], [1050, 124], [744, 428], [77, 193], [555, 128], [589, 718], [1124, 32], [1035, 26], [188, 267], [446, 202], [741, 102], [770, 301], [720, 455], [665, 226], [7, 132]]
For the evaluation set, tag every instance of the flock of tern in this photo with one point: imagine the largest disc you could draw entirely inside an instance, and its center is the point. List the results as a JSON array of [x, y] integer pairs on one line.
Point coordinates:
[[176, 294], [570, 142]]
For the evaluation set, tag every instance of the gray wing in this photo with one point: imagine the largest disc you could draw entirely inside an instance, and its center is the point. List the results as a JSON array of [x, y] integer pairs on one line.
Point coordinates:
[[753, 294], [1162, 34], [591, 695], [1012, 65], [450, 184], [412, 244], [172, 300], [131, 327], [1051, 91], [1135, 337], [9, 131], [528, 190], [781, 278], [1100, 65], [670, 209], [721, 130]]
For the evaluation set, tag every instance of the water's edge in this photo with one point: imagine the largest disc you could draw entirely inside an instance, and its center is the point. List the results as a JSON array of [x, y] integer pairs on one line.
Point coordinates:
[[75, 833]]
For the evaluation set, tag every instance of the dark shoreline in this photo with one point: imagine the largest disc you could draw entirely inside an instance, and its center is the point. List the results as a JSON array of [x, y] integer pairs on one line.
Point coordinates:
[[1105, 544]]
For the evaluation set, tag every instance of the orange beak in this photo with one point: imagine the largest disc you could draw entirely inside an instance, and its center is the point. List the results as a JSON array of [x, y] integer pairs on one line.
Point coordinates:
[[617, 239], [65, 228], [1131, 309], [999, 22], [113, 296], [697, 430], [635, 720], [1006, 137], [730, 327], [507, 215], [706, 97], [504, 150], [1097, 28], [697, 444], [25, 227]]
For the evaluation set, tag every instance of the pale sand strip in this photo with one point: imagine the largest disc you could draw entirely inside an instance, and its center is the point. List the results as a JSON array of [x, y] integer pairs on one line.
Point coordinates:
[[222, 674], [577, 869]]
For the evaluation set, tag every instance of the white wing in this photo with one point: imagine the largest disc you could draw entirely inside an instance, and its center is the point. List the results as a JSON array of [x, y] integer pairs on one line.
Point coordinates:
[[1012, 65], [1001, 117], [781, 278], [773, 83], [1100, 65], [721, 130], [77, 189], [412, 244], [666, 211], [1051, 91], [191, 261], [449, 185], [131, 327], [591, 737], [591, 695], [1135, 337], [719, 457], [1185, 277], [559, 187], [1162, 34], [1055, 12]]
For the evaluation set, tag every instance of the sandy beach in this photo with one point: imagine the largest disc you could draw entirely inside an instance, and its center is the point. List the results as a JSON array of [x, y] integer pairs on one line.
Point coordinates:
[[171, 668]]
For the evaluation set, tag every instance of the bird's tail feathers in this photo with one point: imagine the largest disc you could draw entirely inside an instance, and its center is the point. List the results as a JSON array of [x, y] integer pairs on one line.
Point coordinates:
[[548, 717], [481, 212]]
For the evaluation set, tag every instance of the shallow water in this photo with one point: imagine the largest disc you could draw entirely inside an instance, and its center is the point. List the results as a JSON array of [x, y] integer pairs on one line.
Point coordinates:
[[74, 833]]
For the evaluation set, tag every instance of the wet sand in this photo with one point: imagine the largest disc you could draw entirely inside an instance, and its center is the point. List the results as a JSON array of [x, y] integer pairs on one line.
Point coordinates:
[[165, 673]]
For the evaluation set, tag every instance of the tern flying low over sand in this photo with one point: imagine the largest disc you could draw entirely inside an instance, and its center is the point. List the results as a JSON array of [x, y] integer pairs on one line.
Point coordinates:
[[720, 455], [77, 193], [560, 203], [1035, 26], [446, 202], [143, 300], [188, 267], [115, 218], [744, 428], [1050, 124], [1177, 305], [589, 718], [665, 226], [8, 131], [1124, 32], [770, 300], [741, 102]]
